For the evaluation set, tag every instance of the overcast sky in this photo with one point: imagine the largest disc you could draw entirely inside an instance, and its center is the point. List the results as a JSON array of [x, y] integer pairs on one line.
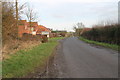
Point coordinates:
[[63, 14]]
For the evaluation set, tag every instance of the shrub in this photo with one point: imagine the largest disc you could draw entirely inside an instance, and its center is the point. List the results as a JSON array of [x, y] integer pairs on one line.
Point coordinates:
[[109, 34]]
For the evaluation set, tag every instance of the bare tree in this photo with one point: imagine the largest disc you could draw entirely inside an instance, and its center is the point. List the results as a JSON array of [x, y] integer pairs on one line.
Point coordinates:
[[21, 10], [74, 27], [80, 25], [78, 28], [31, 15], [106, 23]]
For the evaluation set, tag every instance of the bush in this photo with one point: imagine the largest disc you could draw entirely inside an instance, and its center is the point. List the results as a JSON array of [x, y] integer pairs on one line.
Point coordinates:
[[109, 34], [44, 38]]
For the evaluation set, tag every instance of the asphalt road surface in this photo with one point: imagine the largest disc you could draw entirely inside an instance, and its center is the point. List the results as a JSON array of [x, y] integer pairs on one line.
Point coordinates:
[[77, 59]]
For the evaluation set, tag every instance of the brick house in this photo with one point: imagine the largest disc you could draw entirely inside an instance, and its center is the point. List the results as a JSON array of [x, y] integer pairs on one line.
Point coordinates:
[[84, 30], [43, 30], [33, 28], [22, 28]]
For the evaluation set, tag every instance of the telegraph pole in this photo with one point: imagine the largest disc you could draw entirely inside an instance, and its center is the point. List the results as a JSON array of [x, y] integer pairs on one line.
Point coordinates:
[[16, 5], [119, 12]]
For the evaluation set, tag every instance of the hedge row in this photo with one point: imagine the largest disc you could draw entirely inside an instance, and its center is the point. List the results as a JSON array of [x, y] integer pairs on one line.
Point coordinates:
[[108, 34]]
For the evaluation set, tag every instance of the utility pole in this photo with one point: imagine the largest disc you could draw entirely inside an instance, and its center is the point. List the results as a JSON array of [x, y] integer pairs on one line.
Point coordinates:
[[16, 18], [119, 12], [0, 39]]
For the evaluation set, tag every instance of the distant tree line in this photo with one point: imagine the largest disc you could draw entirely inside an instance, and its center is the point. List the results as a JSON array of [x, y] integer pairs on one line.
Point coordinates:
[[108, 34], [61, 33]]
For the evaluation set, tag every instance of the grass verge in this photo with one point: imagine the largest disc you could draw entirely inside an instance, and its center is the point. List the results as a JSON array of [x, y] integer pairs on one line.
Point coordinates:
[[112, 46], [24, 62]]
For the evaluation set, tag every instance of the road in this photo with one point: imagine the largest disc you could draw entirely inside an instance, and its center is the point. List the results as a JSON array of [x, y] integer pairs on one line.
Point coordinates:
[[77, 59]]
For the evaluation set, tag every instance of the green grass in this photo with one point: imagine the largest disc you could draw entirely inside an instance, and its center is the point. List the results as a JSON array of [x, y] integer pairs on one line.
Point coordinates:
[[112, 46], [24, 62]]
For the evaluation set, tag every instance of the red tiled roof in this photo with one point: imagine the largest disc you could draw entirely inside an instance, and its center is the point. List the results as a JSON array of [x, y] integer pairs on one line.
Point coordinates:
[[33, 24], [84, 30], [87, 29], [22, 22], [41, 28]]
